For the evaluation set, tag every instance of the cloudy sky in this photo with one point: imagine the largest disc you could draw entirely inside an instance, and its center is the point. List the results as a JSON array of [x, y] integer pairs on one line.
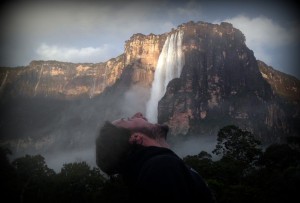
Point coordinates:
[[95, 31]]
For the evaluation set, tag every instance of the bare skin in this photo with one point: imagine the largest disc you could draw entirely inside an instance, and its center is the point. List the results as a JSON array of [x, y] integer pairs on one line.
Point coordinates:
[[138, 121]]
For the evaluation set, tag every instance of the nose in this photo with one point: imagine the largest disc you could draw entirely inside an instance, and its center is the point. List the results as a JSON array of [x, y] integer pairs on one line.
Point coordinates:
[[139, 115]]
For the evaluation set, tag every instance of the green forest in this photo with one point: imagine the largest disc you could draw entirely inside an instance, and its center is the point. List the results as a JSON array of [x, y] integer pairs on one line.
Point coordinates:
[[244, 173]]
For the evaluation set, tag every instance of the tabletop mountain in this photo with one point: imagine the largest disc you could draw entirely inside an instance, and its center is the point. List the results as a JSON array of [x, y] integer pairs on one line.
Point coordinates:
[[199, 77]]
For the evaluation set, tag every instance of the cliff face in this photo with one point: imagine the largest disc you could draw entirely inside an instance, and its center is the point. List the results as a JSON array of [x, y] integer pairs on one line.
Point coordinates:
[[282, 84], [141, 53], [62, 80], [69, 80], [221, 83], [49, 104]]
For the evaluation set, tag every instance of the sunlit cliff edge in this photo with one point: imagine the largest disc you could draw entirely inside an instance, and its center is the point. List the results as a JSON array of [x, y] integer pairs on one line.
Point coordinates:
[[73, 80]]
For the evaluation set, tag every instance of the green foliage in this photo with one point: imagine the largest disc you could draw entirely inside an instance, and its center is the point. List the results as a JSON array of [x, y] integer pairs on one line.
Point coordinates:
[[33, 178], [294, 142], [202, 163], [114, 190], [275, 177], [77, 182], [279, 173], [35, 182], [237, 144], [32, 166], [8, 177], [244, 173], [280, 157]]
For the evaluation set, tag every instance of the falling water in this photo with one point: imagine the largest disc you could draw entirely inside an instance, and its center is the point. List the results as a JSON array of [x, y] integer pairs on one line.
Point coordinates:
[[4, 81], [38, 82], [169, 66], [92, 90]]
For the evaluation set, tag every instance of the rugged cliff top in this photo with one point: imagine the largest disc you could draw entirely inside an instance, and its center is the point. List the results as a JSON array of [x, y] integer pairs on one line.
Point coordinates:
[[284, 85]]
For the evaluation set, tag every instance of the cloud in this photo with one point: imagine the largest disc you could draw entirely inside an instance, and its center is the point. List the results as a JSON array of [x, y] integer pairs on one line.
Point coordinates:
[[71, 54], [98, 30], [262, 30], [263, 34], [65, 31]]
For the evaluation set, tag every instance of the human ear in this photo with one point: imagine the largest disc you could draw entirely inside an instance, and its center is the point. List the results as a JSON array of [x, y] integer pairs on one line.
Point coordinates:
[[136, 138]]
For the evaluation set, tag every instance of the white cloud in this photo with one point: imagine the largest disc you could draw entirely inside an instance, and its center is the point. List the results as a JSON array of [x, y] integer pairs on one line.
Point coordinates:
[[71, 54], [262, 30], [262, 35]]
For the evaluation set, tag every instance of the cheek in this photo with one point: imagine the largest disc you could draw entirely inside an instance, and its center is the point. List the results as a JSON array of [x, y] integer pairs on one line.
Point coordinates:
[[143, 123], [124, 125]]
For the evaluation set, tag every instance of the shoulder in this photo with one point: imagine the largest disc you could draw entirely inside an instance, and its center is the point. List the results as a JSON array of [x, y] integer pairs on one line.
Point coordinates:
[[165, 160], [166, 168], [165, 175]]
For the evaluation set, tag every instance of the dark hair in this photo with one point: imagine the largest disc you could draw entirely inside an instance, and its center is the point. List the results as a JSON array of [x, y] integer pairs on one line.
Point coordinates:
[[112, 146]]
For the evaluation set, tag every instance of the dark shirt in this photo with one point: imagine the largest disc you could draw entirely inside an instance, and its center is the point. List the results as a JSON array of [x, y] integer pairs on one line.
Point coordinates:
[[155, 173]]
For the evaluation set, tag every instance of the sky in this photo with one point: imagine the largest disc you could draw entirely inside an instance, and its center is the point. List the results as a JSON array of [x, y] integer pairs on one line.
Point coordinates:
[[95, 31]]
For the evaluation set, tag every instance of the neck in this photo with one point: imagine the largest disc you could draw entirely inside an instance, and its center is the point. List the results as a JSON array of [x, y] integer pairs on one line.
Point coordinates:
[[158, 142], [162, 142]]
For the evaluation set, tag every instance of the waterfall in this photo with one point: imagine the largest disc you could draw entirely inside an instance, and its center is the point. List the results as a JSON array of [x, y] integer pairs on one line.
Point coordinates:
[[4, 81], [38, 82], [169, 66], [92, 90]]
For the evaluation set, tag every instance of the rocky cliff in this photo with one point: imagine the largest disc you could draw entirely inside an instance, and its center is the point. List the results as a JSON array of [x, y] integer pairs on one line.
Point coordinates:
[[61, 80], [283, 85], [221, 83], [70, 81], [50, 104], [141, 53]]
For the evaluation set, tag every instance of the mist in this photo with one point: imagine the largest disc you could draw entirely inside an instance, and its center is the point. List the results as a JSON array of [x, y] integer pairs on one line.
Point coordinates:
[[194, 145], [134, 100], [56, 160], [71, 136], [69, 129]]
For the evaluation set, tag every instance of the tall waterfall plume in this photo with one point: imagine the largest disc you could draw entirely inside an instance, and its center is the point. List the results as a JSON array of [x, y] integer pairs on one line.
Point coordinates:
[[169, 66]]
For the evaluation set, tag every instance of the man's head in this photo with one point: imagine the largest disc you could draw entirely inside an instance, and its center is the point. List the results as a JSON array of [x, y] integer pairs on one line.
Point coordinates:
[[115, 139], [112, 147]]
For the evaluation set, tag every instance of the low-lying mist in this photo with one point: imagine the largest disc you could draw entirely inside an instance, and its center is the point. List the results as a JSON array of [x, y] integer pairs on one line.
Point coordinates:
[[194, 145], [57, 158], [191, 146], [66, 134]]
